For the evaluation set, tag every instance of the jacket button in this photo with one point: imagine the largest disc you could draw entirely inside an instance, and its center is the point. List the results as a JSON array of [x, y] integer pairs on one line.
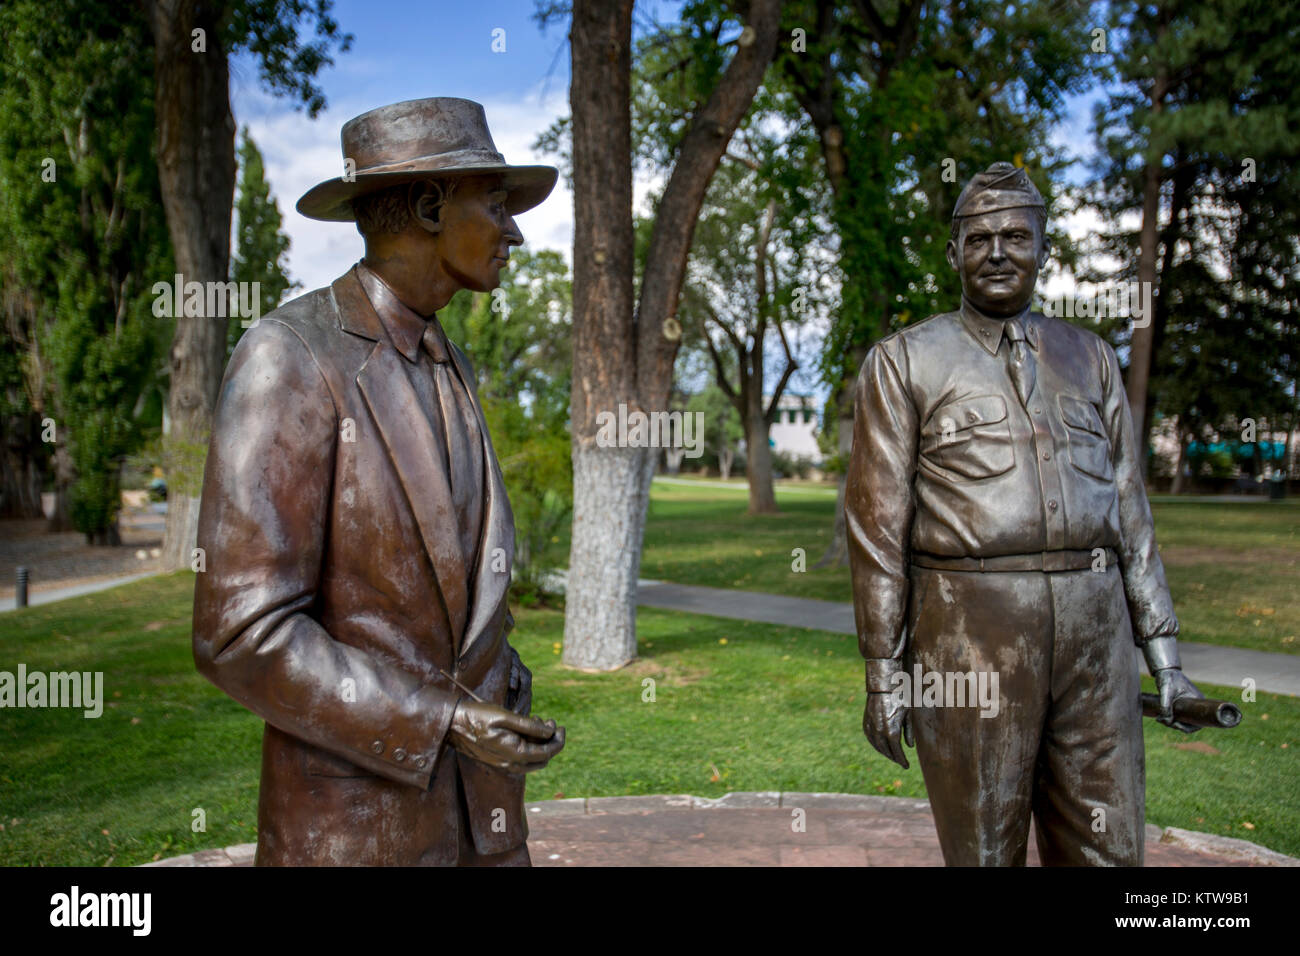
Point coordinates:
[[1051, 505], [1047, 456], [399, 754], [420, 762], [377, 747]]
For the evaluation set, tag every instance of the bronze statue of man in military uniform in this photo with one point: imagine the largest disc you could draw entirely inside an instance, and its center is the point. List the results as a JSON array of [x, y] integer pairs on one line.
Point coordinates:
[[998, 525]]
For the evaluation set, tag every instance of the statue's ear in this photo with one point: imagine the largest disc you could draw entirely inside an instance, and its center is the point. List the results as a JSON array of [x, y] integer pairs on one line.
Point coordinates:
[[425, 200]]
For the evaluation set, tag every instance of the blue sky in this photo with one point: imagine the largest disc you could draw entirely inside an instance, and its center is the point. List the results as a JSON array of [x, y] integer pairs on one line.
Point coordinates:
[[408, 50]]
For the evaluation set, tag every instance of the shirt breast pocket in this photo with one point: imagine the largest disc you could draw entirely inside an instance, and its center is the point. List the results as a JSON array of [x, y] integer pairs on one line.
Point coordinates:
[[970, 438], [1090, 450]]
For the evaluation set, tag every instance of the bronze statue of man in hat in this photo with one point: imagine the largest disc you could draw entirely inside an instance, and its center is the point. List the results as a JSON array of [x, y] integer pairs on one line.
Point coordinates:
[[357, 533], [1000, 538]]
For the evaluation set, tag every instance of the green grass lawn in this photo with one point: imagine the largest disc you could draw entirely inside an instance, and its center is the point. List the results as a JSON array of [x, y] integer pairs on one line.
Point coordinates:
[[1233, 568], [737, 706]]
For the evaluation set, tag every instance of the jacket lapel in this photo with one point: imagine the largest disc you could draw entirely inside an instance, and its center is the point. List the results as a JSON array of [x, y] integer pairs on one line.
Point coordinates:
[[418, 456], [492, 574]]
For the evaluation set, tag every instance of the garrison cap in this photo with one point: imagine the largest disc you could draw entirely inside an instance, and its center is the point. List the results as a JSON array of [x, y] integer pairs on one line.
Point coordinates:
[[1001, 186]]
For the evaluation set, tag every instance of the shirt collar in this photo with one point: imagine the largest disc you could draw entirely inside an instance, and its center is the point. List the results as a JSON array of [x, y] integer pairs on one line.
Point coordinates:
[[404, 326], [988, 330]]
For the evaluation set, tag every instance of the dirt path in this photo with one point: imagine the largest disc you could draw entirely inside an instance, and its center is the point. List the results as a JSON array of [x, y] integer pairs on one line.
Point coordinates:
[[62, 560]]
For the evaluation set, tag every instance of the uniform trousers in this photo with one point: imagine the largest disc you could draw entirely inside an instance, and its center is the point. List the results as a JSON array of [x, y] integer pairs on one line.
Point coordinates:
[[1065, 745]]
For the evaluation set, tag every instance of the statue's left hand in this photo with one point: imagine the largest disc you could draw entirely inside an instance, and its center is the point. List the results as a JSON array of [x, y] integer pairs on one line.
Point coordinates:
[[519, 697], [1173, 685]]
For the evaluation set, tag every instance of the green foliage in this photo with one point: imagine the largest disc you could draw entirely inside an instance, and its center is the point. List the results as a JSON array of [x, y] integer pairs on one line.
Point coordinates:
[[260, 244], [1226, 141], [537, 466], [791, 466], [87, 245], [518, 341], [722, 428], [269, 29], [902, 97]]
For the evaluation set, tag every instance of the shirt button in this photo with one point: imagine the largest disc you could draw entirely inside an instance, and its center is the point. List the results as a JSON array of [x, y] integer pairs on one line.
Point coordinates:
[[377, 747], [1051, 505], [399, 754], [1038, 411], [1047, 456]]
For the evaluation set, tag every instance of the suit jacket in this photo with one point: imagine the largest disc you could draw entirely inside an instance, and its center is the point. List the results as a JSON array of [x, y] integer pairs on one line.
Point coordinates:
[[947, 461], [335, 588]]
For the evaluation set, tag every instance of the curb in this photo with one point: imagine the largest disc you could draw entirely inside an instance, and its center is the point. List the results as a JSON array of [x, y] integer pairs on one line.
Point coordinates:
[[1242, 851], [1230, 847]]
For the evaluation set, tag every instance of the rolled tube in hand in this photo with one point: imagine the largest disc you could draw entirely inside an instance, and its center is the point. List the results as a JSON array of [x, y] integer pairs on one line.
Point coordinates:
[[1199, 712]]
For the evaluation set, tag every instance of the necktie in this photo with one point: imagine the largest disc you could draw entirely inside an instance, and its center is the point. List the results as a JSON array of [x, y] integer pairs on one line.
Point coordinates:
[[1020, 360], [460, 458]]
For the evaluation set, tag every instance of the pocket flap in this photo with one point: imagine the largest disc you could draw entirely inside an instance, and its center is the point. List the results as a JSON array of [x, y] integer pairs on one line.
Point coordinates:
[[1081, 414], [967, 413]]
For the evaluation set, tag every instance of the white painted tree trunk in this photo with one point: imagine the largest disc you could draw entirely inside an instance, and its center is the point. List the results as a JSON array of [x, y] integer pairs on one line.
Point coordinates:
[[610, 493]]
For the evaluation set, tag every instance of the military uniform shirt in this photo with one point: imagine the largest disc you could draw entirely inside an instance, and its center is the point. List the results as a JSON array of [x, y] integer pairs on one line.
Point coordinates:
[[949, 461]]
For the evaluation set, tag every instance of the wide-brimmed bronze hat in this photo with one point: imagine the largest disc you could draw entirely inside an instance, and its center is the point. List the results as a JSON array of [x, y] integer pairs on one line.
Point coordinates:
[[440, 136]]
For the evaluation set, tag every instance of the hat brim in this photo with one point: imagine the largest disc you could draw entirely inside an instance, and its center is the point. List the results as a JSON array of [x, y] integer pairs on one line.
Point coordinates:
[[331, 201]]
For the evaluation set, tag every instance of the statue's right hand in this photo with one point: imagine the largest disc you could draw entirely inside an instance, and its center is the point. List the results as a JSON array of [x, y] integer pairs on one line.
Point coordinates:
[[887, 722], [503, 739]]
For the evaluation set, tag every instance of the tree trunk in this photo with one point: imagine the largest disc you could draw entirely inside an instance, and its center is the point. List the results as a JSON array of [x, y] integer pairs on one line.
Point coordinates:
[[837, 552], [1184, 441], [20, 474], [725, 458], [1141, 348], [196, 172], [65, 473], [616, 358], [758, 459], [609, 520], [608, 511]]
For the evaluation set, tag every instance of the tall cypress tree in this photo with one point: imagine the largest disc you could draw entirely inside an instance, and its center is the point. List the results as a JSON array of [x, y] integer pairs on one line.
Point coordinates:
[[260, 245], [82, 219]]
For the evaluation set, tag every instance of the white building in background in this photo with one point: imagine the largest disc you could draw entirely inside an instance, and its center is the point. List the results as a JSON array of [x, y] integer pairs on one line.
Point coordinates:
[[794, 427]]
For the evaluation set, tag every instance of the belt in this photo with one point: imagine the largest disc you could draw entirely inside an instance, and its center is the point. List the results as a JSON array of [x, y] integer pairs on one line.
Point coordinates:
[[1038, 561]]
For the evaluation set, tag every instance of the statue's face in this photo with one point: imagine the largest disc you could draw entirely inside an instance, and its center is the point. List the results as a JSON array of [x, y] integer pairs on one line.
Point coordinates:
[[477, 233], [998, 255]]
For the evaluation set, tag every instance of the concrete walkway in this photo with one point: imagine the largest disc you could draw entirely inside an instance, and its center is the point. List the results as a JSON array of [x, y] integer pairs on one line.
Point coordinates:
[[1209, 663], [62, 594], [771, 829]]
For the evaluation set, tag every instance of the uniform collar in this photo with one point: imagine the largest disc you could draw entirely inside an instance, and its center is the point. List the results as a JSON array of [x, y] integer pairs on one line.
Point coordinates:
[[404, 326], [988, 330]]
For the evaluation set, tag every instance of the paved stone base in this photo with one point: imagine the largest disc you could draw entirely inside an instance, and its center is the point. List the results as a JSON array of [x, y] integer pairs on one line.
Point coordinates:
[[763, 829]]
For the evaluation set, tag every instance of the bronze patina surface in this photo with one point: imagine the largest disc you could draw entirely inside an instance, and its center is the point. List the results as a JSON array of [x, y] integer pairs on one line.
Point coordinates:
[[999, 526], [357, 534]]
